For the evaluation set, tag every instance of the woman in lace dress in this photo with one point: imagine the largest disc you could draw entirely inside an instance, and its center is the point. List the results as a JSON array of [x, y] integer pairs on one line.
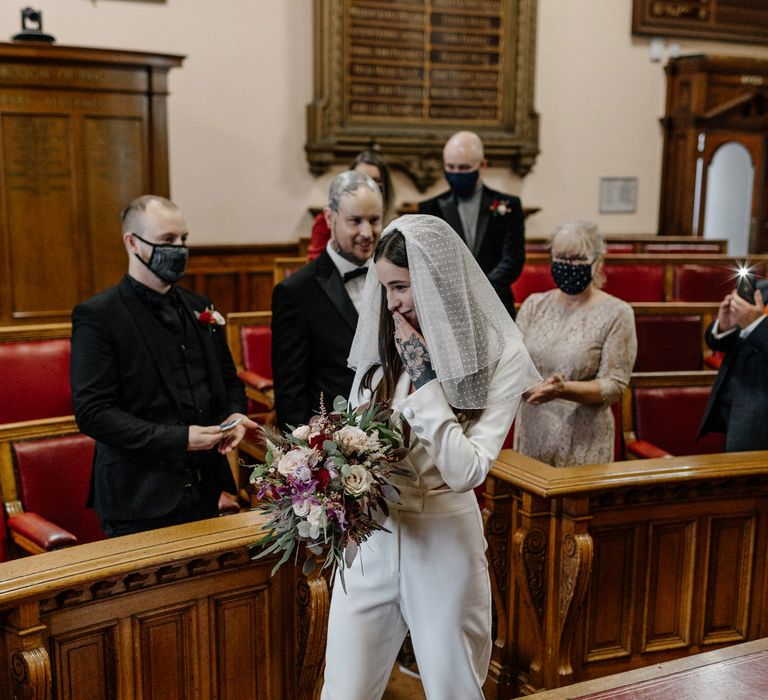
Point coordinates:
[[583, 342]]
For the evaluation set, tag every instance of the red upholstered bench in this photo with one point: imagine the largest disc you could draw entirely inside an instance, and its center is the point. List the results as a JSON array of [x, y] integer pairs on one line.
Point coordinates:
[[613, 248], [702, 282], [256, 347], [35, 373], [635, 282], [668, 343], [534, 278], [664, 419]]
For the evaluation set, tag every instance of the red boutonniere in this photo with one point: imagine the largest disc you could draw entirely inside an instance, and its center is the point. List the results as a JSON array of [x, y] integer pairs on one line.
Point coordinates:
[[210, 318], [500, 207]]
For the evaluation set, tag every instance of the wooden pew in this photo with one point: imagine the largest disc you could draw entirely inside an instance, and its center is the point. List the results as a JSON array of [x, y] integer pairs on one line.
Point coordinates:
[[650, 277], [603, 568], [180, 612], [644, 243]]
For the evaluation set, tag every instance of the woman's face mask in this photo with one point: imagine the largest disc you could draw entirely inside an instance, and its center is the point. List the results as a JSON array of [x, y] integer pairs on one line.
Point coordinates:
[[572, 275]]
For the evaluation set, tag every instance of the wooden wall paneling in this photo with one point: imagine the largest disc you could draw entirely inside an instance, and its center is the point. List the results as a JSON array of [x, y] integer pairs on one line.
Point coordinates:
[[41, 213], [669, 580], [115, 170]]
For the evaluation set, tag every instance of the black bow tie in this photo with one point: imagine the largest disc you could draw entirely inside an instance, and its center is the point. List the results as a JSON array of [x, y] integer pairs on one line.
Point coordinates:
[[362, 270]]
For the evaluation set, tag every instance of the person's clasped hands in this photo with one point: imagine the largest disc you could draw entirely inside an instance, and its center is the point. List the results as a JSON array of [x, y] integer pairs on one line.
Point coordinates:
[[412, 349], [547, 390], [206, 437], [736, 311]]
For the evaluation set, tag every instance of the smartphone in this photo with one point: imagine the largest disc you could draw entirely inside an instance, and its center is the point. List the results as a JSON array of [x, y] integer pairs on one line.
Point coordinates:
[[746, 286], [230, 424]]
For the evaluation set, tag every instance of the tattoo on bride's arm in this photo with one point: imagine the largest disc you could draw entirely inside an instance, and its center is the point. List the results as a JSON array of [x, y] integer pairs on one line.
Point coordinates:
[[416, 360]]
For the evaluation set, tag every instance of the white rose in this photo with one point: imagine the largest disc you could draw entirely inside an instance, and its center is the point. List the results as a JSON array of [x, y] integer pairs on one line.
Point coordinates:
[[358, 481], [302, 508], [351, 439], [293, 459], [301, 433], [316, 521]]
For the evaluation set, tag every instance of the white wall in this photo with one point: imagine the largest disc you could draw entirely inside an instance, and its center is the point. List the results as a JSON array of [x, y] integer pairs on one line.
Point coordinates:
[[237, 108]]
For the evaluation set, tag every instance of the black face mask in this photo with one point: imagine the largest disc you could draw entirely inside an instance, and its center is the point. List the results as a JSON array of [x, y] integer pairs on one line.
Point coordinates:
[[571, 278], [167, 261], [462, 184]]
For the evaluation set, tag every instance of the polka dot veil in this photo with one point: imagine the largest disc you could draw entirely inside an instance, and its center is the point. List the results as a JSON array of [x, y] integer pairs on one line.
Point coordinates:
[[475, 347]]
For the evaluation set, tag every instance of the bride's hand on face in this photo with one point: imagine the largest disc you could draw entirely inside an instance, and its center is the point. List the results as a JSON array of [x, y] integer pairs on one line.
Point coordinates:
[[412, 349]]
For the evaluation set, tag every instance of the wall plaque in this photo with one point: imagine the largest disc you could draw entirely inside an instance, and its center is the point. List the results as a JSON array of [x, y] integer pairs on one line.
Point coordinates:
[[728, 20], [403, 75]]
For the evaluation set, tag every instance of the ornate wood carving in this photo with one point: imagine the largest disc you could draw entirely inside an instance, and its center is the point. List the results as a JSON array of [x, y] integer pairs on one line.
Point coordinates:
[[727, 20], [31, 672], [401, 77], [575, 571], [530, 547], [313, 606]]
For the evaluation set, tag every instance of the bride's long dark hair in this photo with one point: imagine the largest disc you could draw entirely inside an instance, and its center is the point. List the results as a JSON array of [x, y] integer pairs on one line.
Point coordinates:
[[392, 249]]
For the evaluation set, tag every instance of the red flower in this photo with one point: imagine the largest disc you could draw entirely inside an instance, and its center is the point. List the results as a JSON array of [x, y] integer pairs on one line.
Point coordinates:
[[323, 477], [317, 441], [206, 318]]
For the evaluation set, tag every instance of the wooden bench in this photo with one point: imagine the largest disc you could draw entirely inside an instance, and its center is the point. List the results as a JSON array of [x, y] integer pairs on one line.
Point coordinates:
[[604, 568]]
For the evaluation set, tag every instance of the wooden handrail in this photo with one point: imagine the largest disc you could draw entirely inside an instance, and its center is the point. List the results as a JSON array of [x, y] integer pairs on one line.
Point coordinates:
[[548, 482]]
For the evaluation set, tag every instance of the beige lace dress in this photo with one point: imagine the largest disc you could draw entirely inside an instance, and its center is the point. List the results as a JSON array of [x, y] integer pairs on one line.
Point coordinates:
[[594, 341]]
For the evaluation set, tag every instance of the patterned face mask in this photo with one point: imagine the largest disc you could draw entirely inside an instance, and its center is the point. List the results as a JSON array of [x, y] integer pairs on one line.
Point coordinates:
[[571, 278], [167, 261]]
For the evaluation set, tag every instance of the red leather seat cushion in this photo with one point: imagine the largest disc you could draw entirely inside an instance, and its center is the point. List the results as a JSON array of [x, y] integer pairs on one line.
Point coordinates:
[[635, 282], [618, 434], [256, 345], [536, 247], [668, 343], [619, 248], [672, 248], [35, 380], [669, 418], [54, 476], [534, 278], [702, 282], [3, 538]]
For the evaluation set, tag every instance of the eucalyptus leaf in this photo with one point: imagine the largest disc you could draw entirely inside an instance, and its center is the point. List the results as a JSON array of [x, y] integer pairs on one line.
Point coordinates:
[[340, 404], [310, 564], [350, 552], [390, 493]]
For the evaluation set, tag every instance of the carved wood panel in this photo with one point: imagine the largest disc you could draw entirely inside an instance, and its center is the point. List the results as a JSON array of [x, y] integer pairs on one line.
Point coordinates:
[[610, 606], [728, 583], [84, 663], [669, 585]]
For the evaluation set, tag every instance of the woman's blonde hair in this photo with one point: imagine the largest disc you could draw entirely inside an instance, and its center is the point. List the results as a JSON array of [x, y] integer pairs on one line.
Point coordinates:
[[581, 238]]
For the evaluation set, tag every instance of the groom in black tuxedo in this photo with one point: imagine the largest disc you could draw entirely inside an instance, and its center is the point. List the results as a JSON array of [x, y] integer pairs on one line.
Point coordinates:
[[490, 222], [152, 380], [314, 310]]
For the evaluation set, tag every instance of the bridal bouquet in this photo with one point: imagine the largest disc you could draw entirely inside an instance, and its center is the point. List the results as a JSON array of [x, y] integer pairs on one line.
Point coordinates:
[[322, 483]]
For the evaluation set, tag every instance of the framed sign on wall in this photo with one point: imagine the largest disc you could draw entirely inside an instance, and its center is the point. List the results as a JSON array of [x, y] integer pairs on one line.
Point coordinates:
[[401, 76]]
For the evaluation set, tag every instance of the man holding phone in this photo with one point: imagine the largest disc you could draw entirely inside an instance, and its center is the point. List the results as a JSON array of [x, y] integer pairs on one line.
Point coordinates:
[[738, 405], [154, 384]]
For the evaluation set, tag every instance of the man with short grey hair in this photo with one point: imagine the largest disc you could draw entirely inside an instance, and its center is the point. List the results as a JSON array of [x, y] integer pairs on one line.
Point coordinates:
[[490, 222], [314, 310]]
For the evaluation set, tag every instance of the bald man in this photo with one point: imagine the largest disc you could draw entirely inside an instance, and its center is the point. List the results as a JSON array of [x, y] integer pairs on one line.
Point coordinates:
[[490, 222]]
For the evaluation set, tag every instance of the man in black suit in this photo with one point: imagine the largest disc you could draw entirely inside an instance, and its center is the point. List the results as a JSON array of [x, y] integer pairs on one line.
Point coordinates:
[[314, 312], [152, 382], [738, 404], [490, 222]]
